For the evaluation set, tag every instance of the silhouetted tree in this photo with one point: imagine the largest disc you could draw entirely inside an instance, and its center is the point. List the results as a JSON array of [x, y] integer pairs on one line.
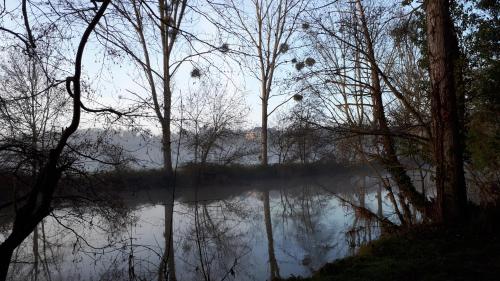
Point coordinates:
[[37, 204], [444, 76]]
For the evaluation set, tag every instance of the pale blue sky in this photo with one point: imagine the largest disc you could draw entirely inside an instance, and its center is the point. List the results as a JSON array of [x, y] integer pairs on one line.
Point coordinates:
[[112, 79]]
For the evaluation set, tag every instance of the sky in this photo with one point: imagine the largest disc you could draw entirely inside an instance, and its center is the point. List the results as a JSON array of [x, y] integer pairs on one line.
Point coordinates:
[[117, 79], [111, 80]]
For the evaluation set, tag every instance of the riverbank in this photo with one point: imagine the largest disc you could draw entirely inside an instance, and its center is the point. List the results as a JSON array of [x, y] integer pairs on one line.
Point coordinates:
[[95, 186], [425, 252], [210, 174]]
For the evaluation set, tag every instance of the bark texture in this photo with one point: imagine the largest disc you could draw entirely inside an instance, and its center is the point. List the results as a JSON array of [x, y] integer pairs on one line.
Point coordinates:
[[447, 146]]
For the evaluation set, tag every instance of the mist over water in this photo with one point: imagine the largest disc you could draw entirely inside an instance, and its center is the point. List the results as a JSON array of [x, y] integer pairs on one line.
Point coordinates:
[[219, 232]]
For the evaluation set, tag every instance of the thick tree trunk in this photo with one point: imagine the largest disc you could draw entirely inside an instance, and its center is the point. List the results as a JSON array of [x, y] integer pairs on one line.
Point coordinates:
[[447, 146], [5, 256], [28, 216]]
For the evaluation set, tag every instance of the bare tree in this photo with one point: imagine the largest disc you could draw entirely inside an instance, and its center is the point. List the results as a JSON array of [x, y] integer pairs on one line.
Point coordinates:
[[37, 204], [140, 25], [296, 138], [32, 108], [389, 158], [355, 86], [264, 35], [150, 34], [213, 114], [155, 36], [281, 139]]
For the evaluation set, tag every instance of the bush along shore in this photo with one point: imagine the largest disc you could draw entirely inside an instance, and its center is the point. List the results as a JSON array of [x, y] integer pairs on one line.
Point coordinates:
[[210, 174], [186, 176]]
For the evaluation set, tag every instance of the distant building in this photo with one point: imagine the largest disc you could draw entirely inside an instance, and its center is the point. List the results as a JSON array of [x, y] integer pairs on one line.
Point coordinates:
[[253, 134]]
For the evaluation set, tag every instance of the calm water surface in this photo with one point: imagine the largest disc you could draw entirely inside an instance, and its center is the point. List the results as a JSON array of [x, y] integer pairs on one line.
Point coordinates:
[[279, 228]]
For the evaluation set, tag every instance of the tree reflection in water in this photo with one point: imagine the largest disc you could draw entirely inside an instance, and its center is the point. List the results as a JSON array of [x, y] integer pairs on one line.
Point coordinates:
[[223, 233], [166, 270], [69, 236], [273, 264]]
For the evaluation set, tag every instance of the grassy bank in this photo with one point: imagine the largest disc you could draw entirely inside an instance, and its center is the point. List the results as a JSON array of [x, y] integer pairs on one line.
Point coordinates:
[[469, 252]]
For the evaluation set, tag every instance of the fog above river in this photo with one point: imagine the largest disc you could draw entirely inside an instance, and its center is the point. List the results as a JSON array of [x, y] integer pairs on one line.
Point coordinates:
[[230, 232]]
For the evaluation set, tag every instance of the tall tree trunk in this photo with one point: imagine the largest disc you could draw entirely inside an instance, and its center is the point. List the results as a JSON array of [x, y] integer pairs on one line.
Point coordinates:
[[167, 266], [168, 256], [447, 146], [263, 143], [167, 93], [273, 264]]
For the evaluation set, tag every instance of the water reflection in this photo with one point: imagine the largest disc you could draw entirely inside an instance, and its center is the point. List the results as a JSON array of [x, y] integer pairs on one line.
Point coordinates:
[[273, 264], [258, 232], [167, 264]]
